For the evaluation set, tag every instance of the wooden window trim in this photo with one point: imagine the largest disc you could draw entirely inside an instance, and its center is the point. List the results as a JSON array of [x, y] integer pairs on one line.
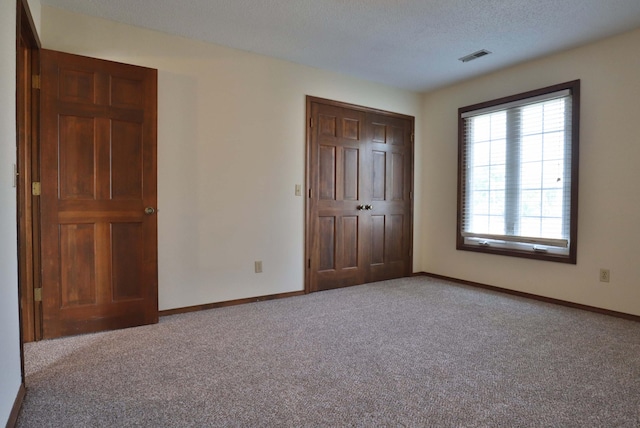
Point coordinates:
[[571, 257]]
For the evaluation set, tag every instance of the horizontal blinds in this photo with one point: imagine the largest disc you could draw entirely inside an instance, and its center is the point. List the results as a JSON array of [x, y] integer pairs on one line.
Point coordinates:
[[517, 171], [520, 103]]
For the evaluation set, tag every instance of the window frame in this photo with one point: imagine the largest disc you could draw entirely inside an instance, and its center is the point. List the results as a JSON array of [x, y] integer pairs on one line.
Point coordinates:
[[571, 257]]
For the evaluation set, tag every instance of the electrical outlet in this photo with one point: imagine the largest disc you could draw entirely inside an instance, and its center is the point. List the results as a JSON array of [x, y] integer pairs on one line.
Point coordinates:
[[605, 275], [258, 266]]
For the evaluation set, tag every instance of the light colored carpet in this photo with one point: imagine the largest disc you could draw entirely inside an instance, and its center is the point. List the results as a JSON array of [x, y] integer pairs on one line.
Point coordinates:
[[408, 352]]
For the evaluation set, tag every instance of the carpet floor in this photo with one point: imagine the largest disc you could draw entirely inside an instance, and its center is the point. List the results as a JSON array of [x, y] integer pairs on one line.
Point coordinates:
[[408, 352]]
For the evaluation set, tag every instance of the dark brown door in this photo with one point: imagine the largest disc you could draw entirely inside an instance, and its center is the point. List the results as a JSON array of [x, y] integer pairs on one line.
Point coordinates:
[[98, 172], [390, 150], [336, 223], [359, 211]]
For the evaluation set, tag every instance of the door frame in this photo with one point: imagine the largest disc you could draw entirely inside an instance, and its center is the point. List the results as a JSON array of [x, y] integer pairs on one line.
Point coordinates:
[[308, 179], [28, 171]]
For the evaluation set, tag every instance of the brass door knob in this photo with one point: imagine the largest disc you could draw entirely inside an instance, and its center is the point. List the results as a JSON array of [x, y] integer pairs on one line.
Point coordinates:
[[149, 210]]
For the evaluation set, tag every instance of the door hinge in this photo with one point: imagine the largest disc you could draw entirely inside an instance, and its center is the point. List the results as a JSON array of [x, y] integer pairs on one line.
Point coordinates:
[[37, 294], [35, 188], [309, 263], [35, 81], [411, 195], [311, 122], [412, 137], [310, 193]]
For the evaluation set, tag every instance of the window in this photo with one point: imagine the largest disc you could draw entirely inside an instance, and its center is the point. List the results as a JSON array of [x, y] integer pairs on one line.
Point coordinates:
[[518, 174]]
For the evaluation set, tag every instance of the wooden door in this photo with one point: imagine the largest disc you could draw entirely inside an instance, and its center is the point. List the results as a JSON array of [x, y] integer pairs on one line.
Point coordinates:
[[390, 172], [98, 172], [337, 152], [359, 211]]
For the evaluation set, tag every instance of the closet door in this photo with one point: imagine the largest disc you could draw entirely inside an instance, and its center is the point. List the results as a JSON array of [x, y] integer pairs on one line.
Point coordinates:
[[359, 179], [336, 228], [389, 206]]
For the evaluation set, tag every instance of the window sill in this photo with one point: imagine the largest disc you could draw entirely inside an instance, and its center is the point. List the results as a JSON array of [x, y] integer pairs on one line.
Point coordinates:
[[527, 254]]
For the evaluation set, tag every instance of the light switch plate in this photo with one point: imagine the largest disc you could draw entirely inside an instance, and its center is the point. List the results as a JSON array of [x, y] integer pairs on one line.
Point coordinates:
[[298, 190]]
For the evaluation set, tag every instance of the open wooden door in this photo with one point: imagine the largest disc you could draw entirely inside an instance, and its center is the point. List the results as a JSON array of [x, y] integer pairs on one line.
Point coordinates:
[[98, 195], [359, 210]]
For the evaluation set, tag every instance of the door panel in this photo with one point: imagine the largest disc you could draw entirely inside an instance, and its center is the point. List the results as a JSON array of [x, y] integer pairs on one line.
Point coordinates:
[[78, 276], [397, 176], [327, 239], [395, 243], [76, 167], [98, 167], [127, 240], [377, 240], [378, 175], [126, 160], [360, 166], [351, 172], [350, 233], [327, 177]]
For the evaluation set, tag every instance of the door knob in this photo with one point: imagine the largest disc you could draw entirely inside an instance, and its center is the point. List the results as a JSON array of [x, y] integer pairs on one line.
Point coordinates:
[[360, 207], [368, 207], [149, 210]]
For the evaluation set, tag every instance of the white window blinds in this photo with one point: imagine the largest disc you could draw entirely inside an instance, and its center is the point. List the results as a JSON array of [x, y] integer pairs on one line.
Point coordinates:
[[516, 174]]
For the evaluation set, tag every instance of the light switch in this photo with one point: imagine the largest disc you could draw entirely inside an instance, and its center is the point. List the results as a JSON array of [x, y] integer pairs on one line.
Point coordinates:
[[298, 190]]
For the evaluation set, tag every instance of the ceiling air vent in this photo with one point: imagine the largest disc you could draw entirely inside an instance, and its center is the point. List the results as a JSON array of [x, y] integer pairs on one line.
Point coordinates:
[[474, 55]]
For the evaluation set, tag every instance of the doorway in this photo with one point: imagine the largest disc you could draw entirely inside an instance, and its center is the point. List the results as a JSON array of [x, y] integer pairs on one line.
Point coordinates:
[[27, 171], [86, 189]]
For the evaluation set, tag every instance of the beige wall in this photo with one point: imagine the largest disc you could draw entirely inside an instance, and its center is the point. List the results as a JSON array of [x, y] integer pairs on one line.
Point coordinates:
[[609, 199], [35, 8], [10, 377], [231, 147]]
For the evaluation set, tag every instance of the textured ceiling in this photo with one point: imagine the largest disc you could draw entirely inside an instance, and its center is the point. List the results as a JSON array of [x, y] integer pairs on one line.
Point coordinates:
[[412, 44]]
